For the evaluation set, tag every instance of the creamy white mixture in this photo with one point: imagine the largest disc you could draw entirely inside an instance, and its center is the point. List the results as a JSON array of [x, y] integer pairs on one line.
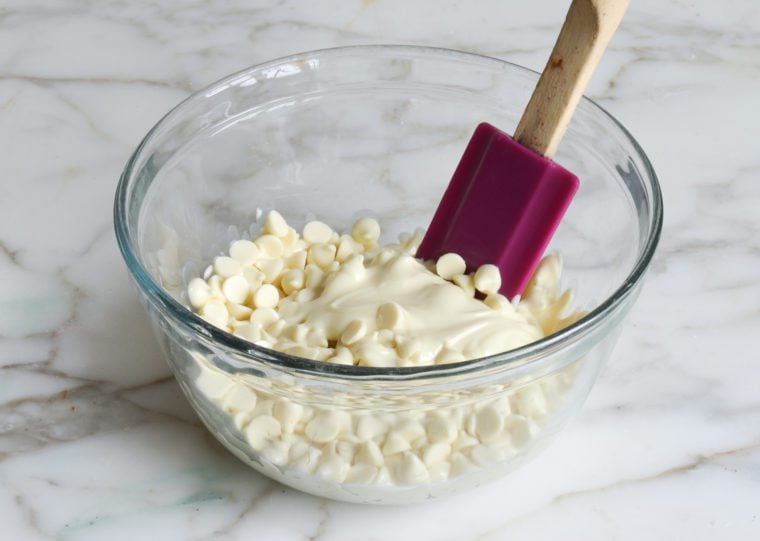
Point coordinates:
[[344, 299], [431, 320]]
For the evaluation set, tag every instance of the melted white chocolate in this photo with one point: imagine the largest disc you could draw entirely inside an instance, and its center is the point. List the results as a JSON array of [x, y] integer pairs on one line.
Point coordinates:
[[436, 313]]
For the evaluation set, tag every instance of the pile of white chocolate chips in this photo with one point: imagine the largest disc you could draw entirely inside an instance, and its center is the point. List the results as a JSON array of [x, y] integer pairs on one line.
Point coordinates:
[[342, 298]]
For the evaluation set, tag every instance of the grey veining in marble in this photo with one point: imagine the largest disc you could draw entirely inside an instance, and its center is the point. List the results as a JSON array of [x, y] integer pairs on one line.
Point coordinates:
[[96, 441]]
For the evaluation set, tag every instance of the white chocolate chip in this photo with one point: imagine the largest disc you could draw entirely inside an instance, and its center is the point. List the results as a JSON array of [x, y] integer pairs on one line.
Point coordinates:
[[292, 242], [369, 353], [292, 280], [502, 404], [460, 465], [324, 427], [552, 388], [345, 449], [240, 398], [440, 429], [347, 247], [276, 451], [236, 289], [308, 463], [390, 316], [264, 316], [215, 312], [271, 269], [383, 477], [238, 311], [463, 441], [322, 354], [302, 351], [250, 332], [321, 254], [519, 429], [489, 423], [266, 296], [263, 407], [410, 470], [317, 338], [213, 384], [244, 251], [354, 331], [487, 279], [395, 443], [342, 356], [435, 453], [215, 287], [296, 333], [275, 224], [449, 265], [198, 293], [314, 276], [241, 419], [287, 414], [261, 430], [254, 277], [270, 246], [366, 231], [332, 466], [369, 427], [296, 260], [531, 401], [317, 232], [226, 267], [370, 453], [410, 429], [299, 447]]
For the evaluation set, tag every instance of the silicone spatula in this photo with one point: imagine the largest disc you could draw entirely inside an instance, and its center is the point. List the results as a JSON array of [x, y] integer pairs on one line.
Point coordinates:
[[507, 197]]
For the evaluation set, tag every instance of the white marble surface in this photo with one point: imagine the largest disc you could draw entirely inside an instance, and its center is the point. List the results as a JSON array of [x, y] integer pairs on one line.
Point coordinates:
[[96, 441]]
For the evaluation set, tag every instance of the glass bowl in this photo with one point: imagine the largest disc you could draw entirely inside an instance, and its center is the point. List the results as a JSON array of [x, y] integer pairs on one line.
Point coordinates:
[[350, 132]]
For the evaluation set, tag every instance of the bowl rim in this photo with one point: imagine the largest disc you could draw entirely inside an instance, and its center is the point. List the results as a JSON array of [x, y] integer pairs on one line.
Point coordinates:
[[513, 359]]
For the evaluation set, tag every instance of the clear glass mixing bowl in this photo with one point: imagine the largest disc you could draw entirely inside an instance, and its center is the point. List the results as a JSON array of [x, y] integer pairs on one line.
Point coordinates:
[[349, 132]]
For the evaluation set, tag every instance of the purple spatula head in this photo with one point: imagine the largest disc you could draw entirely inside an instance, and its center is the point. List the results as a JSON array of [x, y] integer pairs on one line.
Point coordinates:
[[502, 207]]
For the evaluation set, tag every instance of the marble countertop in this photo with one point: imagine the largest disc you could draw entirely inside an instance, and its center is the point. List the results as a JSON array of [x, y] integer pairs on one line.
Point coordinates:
[[96, 440]]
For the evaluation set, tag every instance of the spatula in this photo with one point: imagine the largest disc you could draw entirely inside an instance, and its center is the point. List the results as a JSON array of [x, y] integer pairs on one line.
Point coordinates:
[[507, 197]]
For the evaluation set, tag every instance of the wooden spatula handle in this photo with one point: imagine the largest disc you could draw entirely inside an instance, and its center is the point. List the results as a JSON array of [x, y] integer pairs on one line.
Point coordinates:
[[588, 28]]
